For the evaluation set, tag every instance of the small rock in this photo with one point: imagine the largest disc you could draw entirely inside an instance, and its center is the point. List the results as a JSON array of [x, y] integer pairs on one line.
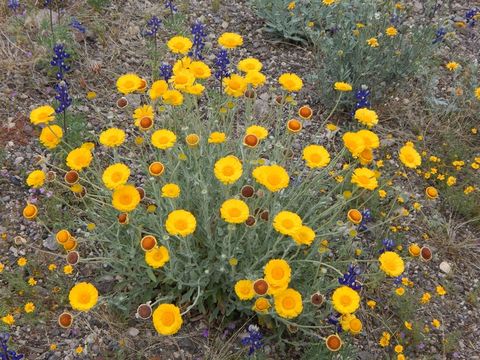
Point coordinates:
[[133, 331], [445, 267]]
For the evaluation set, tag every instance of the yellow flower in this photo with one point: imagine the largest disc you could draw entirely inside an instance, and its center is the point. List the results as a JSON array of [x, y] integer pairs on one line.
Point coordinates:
[[22, 262], [366, 117], [305, 235], [235, 85], [452, 65], [32, 281], [371, 304], [244, 289], [291, 5], [195, 89], [163, 139], [350, 322], [8, 319], [345, 300], [288, 303], [42, 115], [182, 64], [436, 323], [451, 180], [142, 112], [287, 223], [112, 137], [157, 90], [157, 257], [255, 78], [259, 131], [79, 350], [316, 156], [2, 266], [230, 40], [385, 339], [200, 70], [370, 139], [373, 42], [273, 177], [53, 347], [364, 178], [115, 175], [52, 267], [50, 136], [182, 79], [331, 127], [400, 291], [249, 64], [68, 269], [167, 319], [29, 307], [170, 191], [217, 137], [79, 158], [234, 211], [180, 222], [129, 83], [329, 2], [261, 305], [36, 179], [398, 348], [91, 95], [290, 82], [228, 169], [125, 198], [391, 263], [173, 97], [477, 95], [88, 145], [83, 296], [391, 31], [440, 290], [410, 157], [277, 275], [179, 44], [342, 86], [354, 143], [382, 193], [408, 325]]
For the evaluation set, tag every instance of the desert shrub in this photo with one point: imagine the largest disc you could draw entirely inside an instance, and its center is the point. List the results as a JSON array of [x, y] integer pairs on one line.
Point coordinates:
[[370, 43], [193, 196]]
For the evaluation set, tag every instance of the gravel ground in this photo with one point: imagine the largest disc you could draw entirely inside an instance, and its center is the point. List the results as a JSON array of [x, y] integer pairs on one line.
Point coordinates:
[[25, 83]]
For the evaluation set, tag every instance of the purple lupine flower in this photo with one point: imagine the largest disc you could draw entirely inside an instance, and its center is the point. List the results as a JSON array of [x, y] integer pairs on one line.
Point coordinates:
[[439, 35], [171, 6], [350, 278], [77, 25], [366, 217], [253, 339], [152, 26], [388, 245], [13, 4], [362, 98], [62, 97], [199, 35], [59, 60], [222, 61], [166, 71], [5, 353], [334, 320], [470, 16]]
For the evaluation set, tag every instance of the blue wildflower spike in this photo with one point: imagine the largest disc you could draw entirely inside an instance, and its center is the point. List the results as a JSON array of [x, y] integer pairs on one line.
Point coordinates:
[[253, 339], [199, 35]]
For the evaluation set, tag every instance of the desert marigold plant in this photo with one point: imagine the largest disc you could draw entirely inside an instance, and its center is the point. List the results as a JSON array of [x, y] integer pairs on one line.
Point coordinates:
[[192, 201]]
